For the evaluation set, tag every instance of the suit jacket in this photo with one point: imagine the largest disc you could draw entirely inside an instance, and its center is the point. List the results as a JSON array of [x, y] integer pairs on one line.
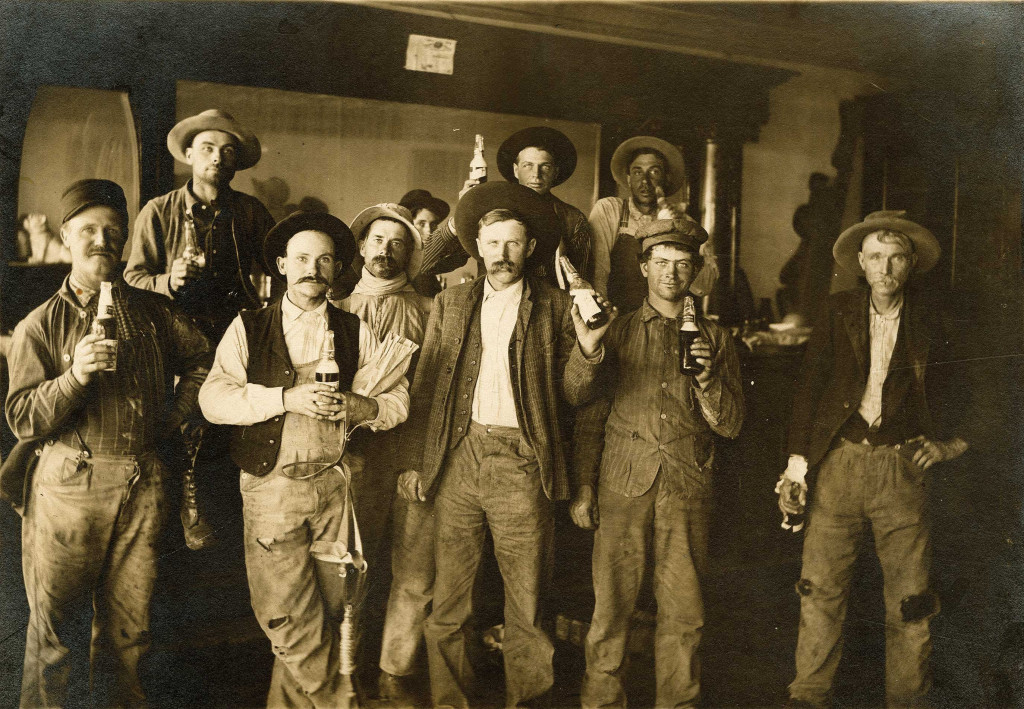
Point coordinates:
[[549, 374], [836, 369]]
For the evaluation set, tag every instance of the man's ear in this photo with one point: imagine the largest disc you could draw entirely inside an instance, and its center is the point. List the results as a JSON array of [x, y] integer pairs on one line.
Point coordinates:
[[860, 260], [643, 268], [64, 234], [281, 261], [530, 247], [515, 170]]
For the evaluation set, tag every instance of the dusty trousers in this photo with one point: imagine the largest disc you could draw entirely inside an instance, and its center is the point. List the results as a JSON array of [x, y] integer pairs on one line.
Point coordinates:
[[491, 478], [89, 559], [864, 488], [676, 528]]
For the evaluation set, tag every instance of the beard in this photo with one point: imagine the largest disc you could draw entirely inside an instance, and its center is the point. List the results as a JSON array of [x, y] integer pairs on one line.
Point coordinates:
[[384, 266]]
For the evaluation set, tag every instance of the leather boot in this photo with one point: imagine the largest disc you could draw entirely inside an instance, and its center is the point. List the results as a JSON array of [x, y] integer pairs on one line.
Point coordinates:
[[198, 533]]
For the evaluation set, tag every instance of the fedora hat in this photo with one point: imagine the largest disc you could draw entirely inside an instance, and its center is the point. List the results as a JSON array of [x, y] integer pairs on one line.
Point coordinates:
[[536, 212], [276, 241], [675, 180], [543, 138], [847, 246], [181, 135], [415, 200], [398, 213]]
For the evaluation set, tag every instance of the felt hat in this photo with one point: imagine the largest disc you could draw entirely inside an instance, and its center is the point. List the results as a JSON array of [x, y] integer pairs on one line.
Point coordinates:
[[544, 138], [83, 194], [675, 180], [276, 241], [415, 200], [181, 136], [536, 212], [847, 246], [395, 212], [685, 232]]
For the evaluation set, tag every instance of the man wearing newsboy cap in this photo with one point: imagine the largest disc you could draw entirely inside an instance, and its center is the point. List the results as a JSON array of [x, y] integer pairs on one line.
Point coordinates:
[[286, 438], [654, 477], [863, 434], [94, 412]]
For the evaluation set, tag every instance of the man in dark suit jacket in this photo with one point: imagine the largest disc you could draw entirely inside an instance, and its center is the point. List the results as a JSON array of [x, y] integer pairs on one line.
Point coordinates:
[[487, 439], [862, 421]]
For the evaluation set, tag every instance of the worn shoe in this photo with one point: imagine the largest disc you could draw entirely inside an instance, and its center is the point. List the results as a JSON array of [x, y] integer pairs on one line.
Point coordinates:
[[198, 533], [393, 689]]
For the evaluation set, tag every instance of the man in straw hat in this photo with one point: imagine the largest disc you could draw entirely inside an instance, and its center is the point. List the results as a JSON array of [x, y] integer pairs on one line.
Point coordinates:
[[654, 477], [285, 434], [200, 246], [861, 423], [540, 158], [486, 441], [651, 170], [95, 412]]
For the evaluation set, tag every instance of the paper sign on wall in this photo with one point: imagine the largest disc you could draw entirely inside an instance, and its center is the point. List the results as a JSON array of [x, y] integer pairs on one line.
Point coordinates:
[[431, 54]]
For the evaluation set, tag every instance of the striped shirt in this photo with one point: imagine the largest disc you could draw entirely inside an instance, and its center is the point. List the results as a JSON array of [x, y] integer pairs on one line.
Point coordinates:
[[882, 331], [118, 413]]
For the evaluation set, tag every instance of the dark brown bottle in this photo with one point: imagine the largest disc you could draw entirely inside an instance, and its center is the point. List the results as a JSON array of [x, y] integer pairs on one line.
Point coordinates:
[[688, 332]]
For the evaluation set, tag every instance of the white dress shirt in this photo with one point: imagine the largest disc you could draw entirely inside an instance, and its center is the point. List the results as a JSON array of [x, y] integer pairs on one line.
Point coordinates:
[[227, 396], [882, 331], [493, 401]]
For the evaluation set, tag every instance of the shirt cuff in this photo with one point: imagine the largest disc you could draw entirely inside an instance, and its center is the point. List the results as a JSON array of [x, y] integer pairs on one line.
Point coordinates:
[[596, 359], [69, 386], [379, 422], [268, 401], [710, 398]]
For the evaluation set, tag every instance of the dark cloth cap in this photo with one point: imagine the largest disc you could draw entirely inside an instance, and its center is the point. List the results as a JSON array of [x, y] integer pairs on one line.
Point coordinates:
[[685, 232], [92, 193], [415, 200], [543, 138], [536, 212], [277, 239]]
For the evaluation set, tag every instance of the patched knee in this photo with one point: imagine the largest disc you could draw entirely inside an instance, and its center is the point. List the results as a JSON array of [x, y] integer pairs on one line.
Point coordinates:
[[919, 607], [804, 587]]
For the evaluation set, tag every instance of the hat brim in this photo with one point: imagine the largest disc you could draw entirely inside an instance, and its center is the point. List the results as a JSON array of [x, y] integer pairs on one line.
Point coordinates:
[[676, 178], [542, 223], [543, 137], [439, 207], [181, 136], [276, 241], [367, 217], [848, 245]]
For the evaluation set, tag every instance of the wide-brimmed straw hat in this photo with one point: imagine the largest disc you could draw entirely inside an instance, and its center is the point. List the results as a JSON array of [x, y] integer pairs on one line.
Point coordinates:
[[543, 138], [398, 213], [675, 180], [926, 246], [181, 135], [276, 241], [536, 212]]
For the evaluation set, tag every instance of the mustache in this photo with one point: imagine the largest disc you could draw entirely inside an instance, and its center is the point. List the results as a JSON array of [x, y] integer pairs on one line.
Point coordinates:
[[314, 279], [97, 251], [504, 265], [384, 260]]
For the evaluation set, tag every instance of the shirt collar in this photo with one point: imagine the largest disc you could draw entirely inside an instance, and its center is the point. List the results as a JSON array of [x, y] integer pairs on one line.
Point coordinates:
[[79, 295], [513, 292], [648, 313], [291, 312], [225, 198], [891, 315], [635, 213]]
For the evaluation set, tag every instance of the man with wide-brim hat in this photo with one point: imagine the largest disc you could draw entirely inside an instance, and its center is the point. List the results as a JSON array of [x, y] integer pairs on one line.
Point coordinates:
[[653, 172], [862, 440], [286, 437], [506, 355], [540, 158], [644, 457]]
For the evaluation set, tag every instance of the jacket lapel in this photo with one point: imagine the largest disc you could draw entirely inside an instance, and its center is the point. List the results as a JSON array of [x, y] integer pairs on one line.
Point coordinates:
[[525, 310], [856, 321], [467, 307], [916, 336]]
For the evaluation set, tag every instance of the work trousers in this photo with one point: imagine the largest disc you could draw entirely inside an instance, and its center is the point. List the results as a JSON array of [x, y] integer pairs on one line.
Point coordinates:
[[491, 478], [298, 600], [412, 584], [860, 487], [676, 529], [89, 557]]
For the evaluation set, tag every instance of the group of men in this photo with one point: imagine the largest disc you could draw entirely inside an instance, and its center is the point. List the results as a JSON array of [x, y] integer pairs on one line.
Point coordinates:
[[514, 403]]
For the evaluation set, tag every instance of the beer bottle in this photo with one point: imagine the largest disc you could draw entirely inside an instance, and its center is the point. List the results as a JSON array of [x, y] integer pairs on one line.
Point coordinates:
[[583, 296], [193, 252], [478, 165], [327, 371], [104, 324], [688, 332]]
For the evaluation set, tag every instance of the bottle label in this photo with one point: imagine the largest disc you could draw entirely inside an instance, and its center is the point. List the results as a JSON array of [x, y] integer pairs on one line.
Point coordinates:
[[585, 301], [478, 173]]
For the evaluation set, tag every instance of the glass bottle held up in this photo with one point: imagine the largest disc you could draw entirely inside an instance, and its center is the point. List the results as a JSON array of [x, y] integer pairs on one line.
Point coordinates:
[[582, 294], [327, 371], [193, 252], [478, 165], [104, 324], [688, 332]]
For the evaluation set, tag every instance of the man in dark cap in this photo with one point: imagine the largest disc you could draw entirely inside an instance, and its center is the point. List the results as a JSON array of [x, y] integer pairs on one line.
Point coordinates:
[[654, 476], [95, 411], [200, 245], [287, 438], [486, 440], [540, 158], [863, 428]]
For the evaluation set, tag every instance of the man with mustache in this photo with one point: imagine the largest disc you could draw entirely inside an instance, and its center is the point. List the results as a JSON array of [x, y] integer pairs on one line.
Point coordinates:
[[390, 253], [228, 227], [863, 433], [505, 357], [654, 478], [540, 158], [286, 438], [648, 168], [94, 412]]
